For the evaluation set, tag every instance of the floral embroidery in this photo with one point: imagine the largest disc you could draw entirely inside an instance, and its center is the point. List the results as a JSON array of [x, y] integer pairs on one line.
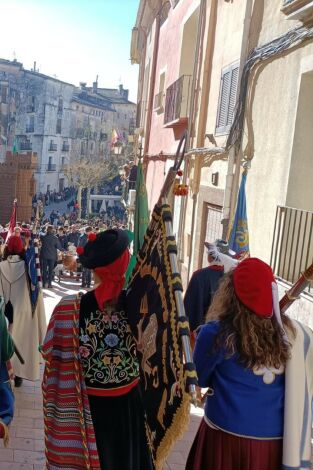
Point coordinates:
[[269, 373], [91, 329], [111, 340], [108, 350], [83, 351]]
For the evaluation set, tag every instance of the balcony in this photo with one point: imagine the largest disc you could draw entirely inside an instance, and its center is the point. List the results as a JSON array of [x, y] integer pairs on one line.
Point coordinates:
[[29, 129], [292, 247], [30, 108], [51, 167], [53, 147], [25, 146], [177, 102], [65, 148], [159, 101], [298, 10]]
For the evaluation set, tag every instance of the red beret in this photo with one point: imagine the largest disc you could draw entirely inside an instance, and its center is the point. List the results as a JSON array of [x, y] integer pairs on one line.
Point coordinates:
[[15, 245], [253, 286]]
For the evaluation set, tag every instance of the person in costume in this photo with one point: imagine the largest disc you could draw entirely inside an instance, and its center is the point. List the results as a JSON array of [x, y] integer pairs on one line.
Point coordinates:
[[257, 364], [204, 282], [6, 394], [26, 316], [89, 346]]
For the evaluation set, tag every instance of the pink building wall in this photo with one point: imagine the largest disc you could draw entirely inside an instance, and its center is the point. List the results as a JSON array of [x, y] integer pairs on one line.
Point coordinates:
[[169, 59]]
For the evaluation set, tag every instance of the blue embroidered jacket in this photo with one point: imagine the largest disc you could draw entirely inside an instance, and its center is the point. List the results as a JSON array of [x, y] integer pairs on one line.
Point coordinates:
[[245, 402]]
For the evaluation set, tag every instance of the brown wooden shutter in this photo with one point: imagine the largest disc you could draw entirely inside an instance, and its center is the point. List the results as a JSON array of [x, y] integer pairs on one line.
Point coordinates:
[[227, 99]]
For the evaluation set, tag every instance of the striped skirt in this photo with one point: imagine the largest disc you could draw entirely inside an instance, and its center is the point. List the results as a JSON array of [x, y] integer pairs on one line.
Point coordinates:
[[217, 450]]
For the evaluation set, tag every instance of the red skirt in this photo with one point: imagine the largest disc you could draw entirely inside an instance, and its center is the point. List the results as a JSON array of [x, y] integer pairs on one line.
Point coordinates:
[[217, 450]]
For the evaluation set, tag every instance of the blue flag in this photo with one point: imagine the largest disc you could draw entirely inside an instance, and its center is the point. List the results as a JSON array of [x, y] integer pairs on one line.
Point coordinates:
[[239, 237]]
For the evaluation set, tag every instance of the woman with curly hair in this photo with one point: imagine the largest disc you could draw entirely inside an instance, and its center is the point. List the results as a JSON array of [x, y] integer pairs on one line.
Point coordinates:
[[255, 363]]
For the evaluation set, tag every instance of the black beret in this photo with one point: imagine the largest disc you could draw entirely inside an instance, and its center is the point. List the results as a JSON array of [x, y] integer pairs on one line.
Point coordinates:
[[107, 247]]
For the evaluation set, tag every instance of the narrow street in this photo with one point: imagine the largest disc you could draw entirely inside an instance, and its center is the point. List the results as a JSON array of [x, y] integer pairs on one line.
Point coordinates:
[[26, 447]]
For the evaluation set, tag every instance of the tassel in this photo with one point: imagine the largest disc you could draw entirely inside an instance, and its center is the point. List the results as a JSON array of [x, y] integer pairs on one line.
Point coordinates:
[[8, 311]]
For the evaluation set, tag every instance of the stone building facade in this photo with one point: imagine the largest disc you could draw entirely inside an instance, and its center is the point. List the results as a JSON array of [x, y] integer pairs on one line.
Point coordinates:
[[58, 121]]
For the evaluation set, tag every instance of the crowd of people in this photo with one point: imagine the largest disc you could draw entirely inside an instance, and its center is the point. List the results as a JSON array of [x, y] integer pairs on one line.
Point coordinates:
[[254, 363]]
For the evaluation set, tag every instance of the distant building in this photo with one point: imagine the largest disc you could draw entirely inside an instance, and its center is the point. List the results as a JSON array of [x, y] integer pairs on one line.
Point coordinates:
[[17, 182], [59, 121]]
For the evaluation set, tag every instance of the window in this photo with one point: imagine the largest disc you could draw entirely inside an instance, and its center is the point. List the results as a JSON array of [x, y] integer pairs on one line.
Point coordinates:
[[60, 105], [159, 98], [82, 148], [50, 161], [227, 99], [63, 161], [30, 108], [59, 126], [31, 124], [4, 93]]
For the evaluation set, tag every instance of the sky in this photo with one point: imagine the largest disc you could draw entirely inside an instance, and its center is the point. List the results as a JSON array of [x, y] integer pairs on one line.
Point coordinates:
[[73, 40]]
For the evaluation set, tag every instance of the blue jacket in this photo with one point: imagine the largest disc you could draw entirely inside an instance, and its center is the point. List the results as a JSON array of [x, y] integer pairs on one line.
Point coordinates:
[[243, 402], [199, 294]]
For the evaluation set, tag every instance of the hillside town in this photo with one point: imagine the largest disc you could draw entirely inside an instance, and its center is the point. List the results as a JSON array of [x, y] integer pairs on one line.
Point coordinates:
[[156, 241]]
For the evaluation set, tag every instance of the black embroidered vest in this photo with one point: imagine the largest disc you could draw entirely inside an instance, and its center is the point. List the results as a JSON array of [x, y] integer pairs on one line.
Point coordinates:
[[107, 348]]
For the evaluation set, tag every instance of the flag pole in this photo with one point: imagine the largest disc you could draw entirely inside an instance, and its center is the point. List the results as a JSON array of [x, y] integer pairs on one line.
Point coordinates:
[[171, 175], [294, 292]]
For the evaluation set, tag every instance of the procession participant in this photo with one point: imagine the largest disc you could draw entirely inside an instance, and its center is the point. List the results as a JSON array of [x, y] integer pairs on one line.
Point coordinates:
[[62, 239], [27, 323], [86, 273], [257, 364], [107, 362], [74, 235], [203, 284], [49, 255], [6, 394]]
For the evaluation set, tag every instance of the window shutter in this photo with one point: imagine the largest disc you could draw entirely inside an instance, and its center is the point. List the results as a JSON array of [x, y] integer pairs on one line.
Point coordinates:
[[224, 99], [232, 96], [227, 99]]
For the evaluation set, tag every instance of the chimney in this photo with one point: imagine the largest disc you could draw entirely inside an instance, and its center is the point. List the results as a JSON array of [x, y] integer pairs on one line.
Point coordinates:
[[123, 93], [95, 86]]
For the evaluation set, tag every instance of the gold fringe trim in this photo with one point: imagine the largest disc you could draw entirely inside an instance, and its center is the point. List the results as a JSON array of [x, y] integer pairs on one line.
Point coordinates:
[[176, 430]]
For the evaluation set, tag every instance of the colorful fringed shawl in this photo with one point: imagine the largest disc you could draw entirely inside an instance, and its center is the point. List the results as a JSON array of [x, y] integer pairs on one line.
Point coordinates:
[[69, 433]]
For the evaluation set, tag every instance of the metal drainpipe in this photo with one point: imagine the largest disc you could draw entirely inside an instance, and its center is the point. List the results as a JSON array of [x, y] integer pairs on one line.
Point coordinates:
[[207, 74], [232, 178], [192, 112], [152, 82]]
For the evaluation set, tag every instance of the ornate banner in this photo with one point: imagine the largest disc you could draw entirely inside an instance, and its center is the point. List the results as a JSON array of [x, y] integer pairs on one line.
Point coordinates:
[[157, 327]]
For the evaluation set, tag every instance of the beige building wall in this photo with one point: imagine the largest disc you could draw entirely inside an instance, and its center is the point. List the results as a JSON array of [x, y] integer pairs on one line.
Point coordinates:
[[227, 49]]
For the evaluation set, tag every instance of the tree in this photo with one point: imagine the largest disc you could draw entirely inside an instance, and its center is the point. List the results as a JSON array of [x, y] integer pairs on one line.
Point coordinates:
[[86, 174]]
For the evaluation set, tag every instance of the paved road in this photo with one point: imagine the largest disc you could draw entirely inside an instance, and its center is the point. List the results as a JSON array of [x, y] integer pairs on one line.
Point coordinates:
[[26, 448]]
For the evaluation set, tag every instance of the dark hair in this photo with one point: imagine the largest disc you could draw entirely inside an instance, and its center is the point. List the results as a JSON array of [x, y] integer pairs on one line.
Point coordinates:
[[258, 341]]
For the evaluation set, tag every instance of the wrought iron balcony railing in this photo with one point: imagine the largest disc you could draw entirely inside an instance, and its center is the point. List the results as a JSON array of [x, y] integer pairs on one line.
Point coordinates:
[[25, 146], [53, 147], [51, 167], [29, 129], [292, 247], [177, 100], [65, 148]]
